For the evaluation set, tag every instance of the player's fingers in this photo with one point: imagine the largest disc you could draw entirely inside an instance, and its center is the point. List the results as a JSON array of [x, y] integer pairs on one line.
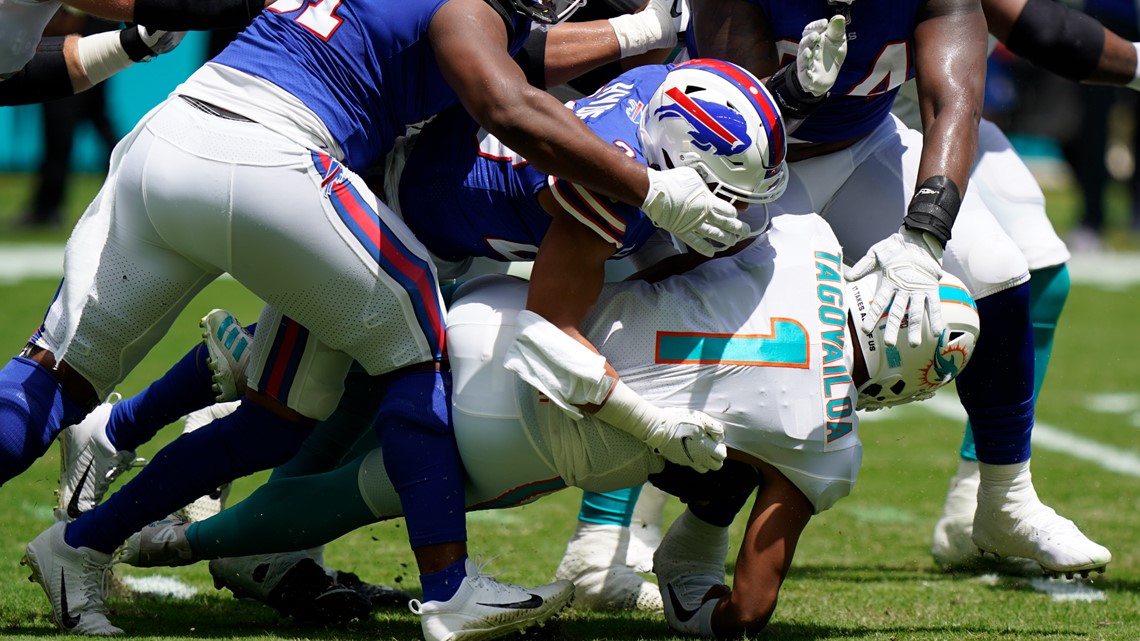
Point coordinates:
[[879, 304], [698, 244], [860, 268], [914, 317], [934, 309], [894, 319], [837, 29], [815, 26]]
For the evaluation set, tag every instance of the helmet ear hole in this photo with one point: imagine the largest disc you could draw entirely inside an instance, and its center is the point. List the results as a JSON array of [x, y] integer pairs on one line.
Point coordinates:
[[956, 335], [898, 387], [668, 161]]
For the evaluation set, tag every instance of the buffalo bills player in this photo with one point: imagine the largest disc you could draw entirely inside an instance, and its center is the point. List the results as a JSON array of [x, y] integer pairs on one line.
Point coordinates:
[[863, 170], [1075, 46], [255, 158]]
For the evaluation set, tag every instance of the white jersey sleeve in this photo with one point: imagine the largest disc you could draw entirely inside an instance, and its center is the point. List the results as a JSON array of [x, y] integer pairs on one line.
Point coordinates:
[[22, 23]]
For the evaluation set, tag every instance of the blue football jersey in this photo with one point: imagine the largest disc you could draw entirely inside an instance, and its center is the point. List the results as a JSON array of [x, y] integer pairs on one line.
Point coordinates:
[[465, 194], [880, 57], [364, 67]]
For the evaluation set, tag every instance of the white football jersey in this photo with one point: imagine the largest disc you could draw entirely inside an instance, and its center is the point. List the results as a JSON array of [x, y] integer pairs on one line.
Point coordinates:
[[757, 340]]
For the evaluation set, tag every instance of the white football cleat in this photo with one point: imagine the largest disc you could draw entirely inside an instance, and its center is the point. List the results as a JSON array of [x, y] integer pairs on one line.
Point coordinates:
[[229, 347], [484, 608], [593, 562], [1012, 521], [75, 581], [293, 584], [88, 462], [645, 528], [206, 506], [688, 563], [952, 546]]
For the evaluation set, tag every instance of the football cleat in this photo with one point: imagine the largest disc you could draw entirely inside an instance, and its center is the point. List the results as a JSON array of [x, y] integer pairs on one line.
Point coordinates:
[[293, 584], [160, 544], [594, 563], [89, 463], [484, 608], [206, 506], [1011, 521], [75, 581], [689, 563], [380, 596], [229, 347]]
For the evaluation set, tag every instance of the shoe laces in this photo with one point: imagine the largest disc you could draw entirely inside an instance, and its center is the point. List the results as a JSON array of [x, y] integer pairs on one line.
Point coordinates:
[[486, 581], [95, 583]]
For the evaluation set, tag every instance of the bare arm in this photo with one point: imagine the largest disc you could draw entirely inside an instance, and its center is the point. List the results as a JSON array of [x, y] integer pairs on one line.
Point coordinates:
[[470, 45], [950, 66], [1063, 41]]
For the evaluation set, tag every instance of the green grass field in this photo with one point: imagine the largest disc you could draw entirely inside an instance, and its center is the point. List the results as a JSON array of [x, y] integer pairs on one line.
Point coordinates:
[[863, 570]]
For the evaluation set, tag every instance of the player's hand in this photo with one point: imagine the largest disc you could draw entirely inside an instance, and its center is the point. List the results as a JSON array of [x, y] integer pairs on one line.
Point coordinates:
[[142, 44], [671, 15], [680, 202], [911, 266], [821, 52], [655, 26], [690, 438]]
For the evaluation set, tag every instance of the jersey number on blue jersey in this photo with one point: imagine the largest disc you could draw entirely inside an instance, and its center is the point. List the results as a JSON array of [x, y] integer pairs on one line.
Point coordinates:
[[319, 17]]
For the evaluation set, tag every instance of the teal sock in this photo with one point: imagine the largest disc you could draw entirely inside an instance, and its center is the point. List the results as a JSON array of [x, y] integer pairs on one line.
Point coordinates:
[[1048, 290], [610, 508], [285, 515]]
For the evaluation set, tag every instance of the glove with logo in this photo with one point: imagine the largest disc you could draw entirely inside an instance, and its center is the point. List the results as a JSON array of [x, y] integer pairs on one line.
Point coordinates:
[[685, 437], [820, 54], [681, 203], [911, 266], [142, 44]]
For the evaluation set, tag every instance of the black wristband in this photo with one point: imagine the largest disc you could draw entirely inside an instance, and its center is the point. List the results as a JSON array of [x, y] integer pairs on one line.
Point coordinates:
[[44, 78], [133, 44], [795, 102], [196, 15], [934, 207]]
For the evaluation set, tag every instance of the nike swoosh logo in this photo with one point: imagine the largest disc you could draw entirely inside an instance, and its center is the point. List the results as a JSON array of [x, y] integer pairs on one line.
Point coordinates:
[[685, 448], [681, 612], [73, 504], [533, 602], [66, 619]]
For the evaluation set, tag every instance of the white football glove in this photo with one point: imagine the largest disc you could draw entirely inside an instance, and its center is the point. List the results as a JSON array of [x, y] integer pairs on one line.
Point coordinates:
[[685, 437], [654, 27], [821, 52], [911, 266], [160, 42], [681, 203], [690, 438]]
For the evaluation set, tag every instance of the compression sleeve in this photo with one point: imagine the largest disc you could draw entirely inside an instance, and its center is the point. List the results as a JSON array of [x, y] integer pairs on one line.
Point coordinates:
[[196, 15], [45, 77], [1055, 37]]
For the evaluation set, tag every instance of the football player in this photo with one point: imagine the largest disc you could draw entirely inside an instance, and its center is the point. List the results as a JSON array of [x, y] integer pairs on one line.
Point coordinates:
[[259, 157], [866, 173], [740, 337]]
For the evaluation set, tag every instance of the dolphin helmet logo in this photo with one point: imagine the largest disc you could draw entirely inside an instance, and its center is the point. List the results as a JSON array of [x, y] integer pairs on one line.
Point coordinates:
[[715, 127]]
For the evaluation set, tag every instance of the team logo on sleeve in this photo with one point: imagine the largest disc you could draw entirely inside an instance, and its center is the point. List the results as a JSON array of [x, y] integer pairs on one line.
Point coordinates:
[[715, 127]]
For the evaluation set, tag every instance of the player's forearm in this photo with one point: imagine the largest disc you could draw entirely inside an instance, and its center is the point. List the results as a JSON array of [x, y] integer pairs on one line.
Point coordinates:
[[575, 48], [1062, 40], [53, 73]]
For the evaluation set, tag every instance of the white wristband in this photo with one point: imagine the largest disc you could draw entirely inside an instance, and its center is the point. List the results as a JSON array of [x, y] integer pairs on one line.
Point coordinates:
[[626, 410], [640, 32], [1135, 84], [102, 56]]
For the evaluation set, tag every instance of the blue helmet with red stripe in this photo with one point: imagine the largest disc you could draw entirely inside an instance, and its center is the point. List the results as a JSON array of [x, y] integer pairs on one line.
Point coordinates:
[[719, 119]]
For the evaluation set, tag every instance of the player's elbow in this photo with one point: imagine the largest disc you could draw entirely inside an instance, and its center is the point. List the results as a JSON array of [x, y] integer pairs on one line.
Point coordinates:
[[505, 112]]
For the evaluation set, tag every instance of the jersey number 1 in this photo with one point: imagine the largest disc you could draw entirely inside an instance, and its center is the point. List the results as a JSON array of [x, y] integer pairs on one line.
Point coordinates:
[[318, 17]]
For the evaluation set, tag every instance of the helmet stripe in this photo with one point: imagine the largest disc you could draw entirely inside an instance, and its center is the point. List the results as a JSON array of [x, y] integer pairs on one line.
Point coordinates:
[[769, 114], [689, 105]]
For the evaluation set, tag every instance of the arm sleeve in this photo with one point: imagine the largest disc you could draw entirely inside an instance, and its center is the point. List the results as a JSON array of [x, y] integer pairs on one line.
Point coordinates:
[[44, 78], [1057, 38]]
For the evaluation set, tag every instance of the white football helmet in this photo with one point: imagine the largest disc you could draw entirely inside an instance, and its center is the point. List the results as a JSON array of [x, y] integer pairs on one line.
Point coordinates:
[[717, 118], [901, 374]]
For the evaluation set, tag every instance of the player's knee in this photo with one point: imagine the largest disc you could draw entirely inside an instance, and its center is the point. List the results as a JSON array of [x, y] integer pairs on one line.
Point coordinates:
[[420, 399]]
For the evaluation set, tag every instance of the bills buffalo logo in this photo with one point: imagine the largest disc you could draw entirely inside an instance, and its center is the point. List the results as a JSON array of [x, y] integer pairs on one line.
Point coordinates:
[[715, 127]]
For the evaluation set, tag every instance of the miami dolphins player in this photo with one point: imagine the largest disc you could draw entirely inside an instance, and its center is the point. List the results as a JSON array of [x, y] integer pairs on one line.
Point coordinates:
[[307, 96], [895, 196], [742, 337]]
